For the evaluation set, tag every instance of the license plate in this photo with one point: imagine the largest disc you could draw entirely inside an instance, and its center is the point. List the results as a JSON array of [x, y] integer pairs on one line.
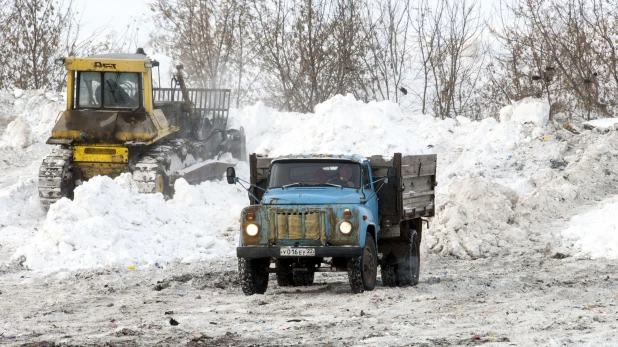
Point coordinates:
[[297, 251]]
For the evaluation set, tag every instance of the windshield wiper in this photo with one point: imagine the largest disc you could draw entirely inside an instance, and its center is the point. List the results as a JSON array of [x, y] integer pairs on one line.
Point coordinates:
[[330, 184], [290, 185]]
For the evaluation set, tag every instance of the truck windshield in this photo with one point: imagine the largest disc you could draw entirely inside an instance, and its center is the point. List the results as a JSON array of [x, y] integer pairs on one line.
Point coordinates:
[[315, 173], [111, 89]]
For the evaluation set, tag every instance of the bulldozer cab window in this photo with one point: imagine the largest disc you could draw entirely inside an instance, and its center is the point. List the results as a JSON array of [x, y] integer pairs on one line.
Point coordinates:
[[89, 90], [108, 90]]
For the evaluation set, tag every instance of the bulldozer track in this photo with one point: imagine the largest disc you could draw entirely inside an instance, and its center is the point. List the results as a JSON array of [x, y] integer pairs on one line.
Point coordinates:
[[151, 171], [56, 176]]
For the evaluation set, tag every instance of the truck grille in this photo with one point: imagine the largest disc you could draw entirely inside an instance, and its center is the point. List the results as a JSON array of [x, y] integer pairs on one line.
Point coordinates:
[[310, 225]]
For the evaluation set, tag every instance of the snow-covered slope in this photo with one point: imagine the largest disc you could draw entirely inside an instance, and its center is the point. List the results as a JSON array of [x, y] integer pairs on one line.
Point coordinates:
[[498, 183]]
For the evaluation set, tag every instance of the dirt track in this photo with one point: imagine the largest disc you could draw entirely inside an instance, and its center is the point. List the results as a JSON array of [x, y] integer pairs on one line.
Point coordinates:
[[519, 300]]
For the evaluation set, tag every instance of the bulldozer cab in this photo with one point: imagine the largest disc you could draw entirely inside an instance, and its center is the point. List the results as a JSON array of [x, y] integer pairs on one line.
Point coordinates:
[[109, 90]]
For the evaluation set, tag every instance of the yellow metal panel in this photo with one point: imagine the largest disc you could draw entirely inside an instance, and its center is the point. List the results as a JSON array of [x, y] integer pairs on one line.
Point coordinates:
[[148, 91], [138, 137], [89, 170], [101, 154], [102, 64], [70, 82]]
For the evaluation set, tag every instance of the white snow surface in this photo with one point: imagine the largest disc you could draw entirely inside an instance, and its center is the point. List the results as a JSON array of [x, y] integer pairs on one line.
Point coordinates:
[[528, 110], [109, 223], [595, 234], [603, 123], [496, 179]]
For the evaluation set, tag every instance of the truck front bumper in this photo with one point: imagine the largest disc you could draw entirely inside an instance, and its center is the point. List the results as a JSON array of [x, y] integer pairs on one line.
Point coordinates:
[[252, 252]]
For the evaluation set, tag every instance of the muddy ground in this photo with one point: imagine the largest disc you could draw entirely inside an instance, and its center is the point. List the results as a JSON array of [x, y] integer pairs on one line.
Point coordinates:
[[528, 299]]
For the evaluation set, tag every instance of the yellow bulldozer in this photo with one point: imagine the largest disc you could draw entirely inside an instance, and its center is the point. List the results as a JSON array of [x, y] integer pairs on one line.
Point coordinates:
[[116, 122]]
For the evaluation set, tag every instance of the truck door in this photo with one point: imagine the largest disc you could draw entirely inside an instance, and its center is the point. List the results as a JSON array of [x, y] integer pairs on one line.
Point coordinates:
[[368, 189]]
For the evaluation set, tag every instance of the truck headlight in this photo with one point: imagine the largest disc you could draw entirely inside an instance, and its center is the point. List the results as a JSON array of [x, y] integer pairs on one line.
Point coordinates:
[[252, 229], [345, 227]]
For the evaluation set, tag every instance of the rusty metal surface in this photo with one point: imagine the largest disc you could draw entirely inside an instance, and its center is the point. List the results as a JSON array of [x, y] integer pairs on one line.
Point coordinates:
[[353, 157], [85, 171], [204, 172], [108, 127], [316, 225]]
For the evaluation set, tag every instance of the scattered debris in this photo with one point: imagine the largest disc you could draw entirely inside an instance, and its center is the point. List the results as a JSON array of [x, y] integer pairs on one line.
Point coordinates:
[[570, 128], [173, 322]]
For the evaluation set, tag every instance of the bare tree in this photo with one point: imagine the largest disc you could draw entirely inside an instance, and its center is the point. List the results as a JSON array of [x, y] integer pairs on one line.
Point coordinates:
[[310, 50], [390, 57], [455, 56], [34, 42], [563, 46], [199, 34]]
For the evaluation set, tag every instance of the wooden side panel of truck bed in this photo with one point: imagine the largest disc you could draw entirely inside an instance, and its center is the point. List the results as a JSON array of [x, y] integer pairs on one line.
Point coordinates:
[[414, 194]]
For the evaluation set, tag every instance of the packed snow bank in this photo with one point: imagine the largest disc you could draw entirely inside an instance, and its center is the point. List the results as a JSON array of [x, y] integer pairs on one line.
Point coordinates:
[[527, 110], [475, 220], [595, 234], [603, 123], [109, 223]]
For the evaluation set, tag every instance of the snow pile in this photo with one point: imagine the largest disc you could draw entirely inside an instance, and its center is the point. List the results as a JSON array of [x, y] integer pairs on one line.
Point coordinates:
[[528, 110], [605, 123], [32, 115], [475, 220], [109, 224], [341, 124], [496, 179], [587, 174], [595, 234]]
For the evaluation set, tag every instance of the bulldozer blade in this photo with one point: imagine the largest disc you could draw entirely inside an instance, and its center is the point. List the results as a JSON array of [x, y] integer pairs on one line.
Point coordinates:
[[205, 171]]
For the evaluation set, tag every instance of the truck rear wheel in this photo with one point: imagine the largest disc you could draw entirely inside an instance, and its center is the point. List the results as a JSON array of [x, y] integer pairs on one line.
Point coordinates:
[[362, 270], [389, 275], [253, 275], [408, 272], [302, 279], [285, 278]]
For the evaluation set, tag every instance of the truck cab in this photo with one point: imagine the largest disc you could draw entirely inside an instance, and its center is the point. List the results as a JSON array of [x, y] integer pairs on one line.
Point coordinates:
[[308, 210]]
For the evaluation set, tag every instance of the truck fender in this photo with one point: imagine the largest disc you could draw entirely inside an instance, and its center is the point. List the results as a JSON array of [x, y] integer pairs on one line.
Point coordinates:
[[371, 229]]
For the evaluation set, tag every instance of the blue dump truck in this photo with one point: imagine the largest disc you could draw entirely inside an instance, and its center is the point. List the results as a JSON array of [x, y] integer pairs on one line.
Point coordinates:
[[322, 213]]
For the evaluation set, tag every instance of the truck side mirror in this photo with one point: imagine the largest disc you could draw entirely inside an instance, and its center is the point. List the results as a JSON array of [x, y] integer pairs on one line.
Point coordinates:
[[391, 176], [231, 175]]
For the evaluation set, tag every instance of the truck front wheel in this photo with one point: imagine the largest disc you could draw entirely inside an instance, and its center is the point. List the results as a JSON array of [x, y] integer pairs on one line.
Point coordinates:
[[408, 272], [253, 275], [362, 271]]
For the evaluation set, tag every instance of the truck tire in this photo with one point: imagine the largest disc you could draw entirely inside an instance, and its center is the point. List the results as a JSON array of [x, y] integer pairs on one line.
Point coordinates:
[[253, 275], [285, 278], [362, 270], [302, 279], [408, 272], [389, 275]]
